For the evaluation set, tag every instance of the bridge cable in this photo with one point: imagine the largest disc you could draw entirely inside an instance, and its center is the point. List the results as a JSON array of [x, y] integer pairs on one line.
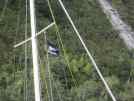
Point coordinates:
[[61, 42], [55, 84], [26, 54], [48, 68], [88, 53], [61, 45], [43, 74]]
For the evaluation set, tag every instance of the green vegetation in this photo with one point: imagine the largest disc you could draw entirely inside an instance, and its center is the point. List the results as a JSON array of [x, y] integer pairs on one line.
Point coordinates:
[[73, 75], [126, 8]]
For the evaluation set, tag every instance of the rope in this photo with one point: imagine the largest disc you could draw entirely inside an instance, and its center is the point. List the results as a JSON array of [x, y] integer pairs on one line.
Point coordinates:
[[43, 76], [61, 42], [44, 79], [16, 31], [89, 54], [26, 55], [59, 95], [50, 76], [47, 90], [49, 73], [18, 20], [58, 34], [48, 68]]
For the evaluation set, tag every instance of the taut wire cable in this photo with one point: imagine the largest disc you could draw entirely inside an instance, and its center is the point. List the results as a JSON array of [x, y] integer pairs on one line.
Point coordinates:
[[88, 53], [26, 54], [61, 42], [48, 68]]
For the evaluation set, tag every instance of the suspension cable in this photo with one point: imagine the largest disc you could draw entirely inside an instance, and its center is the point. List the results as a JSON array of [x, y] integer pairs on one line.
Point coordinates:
[[18, 20], [61, 42], [48, 68], [89, 54], [43, 75], [26, 54], [59, 95]]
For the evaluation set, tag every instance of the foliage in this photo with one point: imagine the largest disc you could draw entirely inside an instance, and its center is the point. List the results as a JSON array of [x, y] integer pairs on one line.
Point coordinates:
[[73, 75]]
